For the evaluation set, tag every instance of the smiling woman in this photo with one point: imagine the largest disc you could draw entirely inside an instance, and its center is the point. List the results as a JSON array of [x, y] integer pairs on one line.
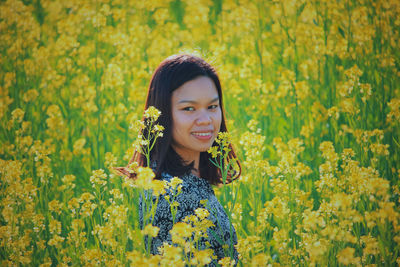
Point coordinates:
[[187, 91], [196, 116]]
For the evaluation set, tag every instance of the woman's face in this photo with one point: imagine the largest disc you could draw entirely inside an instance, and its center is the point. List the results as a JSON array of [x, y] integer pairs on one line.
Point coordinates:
[[196, 117]]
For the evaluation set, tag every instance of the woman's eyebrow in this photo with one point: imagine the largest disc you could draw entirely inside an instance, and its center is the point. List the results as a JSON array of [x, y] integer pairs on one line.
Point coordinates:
[[215, 99], [195, 102]]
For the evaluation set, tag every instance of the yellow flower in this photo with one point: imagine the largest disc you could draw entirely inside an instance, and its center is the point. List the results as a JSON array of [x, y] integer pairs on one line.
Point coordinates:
[[202, 213], [346, 256], [252, 125], [136, 125], [328, 151], [213, 151], [135, 258], [98, 178], [132, 168], [144, 142], [92, 256], [68, 180], [226, 262], [260, 260], [180, 231], [77, 224], [315, 246], [380, 149], [348, 105], [202, 257], [312, 220], [30, 95], [371, 245], [171, 255], [73, 205], [203, 202], [341, 201], [78, 146], [17, 115], [158, 187], [247, 246], [175, 181], [145, 177], [113, 76], [110, 159], [55, 206], [150, 230], [158, 128], [302, 90], [152, 113], [117, 193], [56, 241], [393, 117], [55, 227], [116, 214], [87, 209], [347, 154], [86, 197], [40, 244], [153, 261], [223, 138], [296, 145], [307, 130]]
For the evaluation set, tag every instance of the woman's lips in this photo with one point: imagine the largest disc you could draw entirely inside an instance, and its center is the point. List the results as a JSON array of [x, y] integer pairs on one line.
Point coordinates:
[[203, 135]]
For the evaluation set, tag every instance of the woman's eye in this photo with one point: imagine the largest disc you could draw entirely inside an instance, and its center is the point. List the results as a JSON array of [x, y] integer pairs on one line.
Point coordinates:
[[213, 106], [188, 109]]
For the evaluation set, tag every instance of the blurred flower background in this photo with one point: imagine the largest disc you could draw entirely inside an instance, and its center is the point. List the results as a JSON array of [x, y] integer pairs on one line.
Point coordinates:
[[312, 99]]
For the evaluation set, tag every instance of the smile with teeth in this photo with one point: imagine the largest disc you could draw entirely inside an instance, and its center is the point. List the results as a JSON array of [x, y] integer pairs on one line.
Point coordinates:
[[206, 135], [203, 134]]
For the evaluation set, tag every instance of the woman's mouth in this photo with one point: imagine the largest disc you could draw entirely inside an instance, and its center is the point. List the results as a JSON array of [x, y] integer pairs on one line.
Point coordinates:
[[203, 135]]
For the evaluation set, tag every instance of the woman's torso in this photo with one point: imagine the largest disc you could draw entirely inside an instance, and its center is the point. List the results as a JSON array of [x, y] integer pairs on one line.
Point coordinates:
[[195, 193]]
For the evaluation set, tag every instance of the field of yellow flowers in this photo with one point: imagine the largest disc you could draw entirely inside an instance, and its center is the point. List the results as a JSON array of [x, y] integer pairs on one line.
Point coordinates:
[[312, 94]]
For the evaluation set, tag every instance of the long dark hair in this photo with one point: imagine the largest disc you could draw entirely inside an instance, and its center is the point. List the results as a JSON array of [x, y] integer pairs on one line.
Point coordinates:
[[172, 73]]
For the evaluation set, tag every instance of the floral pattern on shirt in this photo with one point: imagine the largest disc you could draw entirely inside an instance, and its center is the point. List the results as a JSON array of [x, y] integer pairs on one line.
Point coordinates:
[[194, 190]]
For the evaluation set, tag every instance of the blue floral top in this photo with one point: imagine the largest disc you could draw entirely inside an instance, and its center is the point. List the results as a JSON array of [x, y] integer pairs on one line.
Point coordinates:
[[194, 189]]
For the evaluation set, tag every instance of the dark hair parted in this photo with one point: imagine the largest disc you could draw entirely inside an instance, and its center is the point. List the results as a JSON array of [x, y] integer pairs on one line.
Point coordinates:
[[172, 73]]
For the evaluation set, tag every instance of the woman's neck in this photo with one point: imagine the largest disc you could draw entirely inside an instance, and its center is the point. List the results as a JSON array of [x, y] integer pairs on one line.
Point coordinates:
[[189, 157], [196, 173]]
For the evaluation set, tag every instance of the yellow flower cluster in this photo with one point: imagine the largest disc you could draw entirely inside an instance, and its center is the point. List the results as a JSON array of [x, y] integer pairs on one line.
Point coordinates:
[[223, 140], [152, 113], [98, 178], [186, 235]]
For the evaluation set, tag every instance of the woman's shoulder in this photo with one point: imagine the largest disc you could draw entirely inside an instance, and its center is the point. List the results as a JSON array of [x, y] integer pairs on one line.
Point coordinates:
[[166, 176], [186, 178], [189, 182]]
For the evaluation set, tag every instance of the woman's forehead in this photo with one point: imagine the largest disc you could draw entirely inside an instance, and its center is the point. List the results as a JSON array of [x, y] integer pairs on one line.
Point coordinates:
[[199, 89]]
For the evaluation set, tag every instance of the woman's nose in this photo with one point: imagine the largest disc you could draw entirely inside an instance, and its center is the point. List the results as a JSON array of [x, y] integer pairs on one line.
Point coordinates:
[[204, 118]]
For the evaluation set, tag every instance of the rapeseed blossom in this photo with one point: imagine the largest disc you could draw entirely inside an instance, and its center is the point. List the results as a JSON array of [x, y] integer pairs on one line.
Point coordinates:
[[152, 113], [227, 262], [181, 232], [145, 177], [98, 178], [151, 230]]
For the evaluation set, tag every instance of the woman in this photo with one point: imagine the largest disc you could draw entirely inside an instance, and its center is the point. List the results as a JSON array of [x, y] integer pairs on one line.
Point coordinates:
[[187, 91]]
